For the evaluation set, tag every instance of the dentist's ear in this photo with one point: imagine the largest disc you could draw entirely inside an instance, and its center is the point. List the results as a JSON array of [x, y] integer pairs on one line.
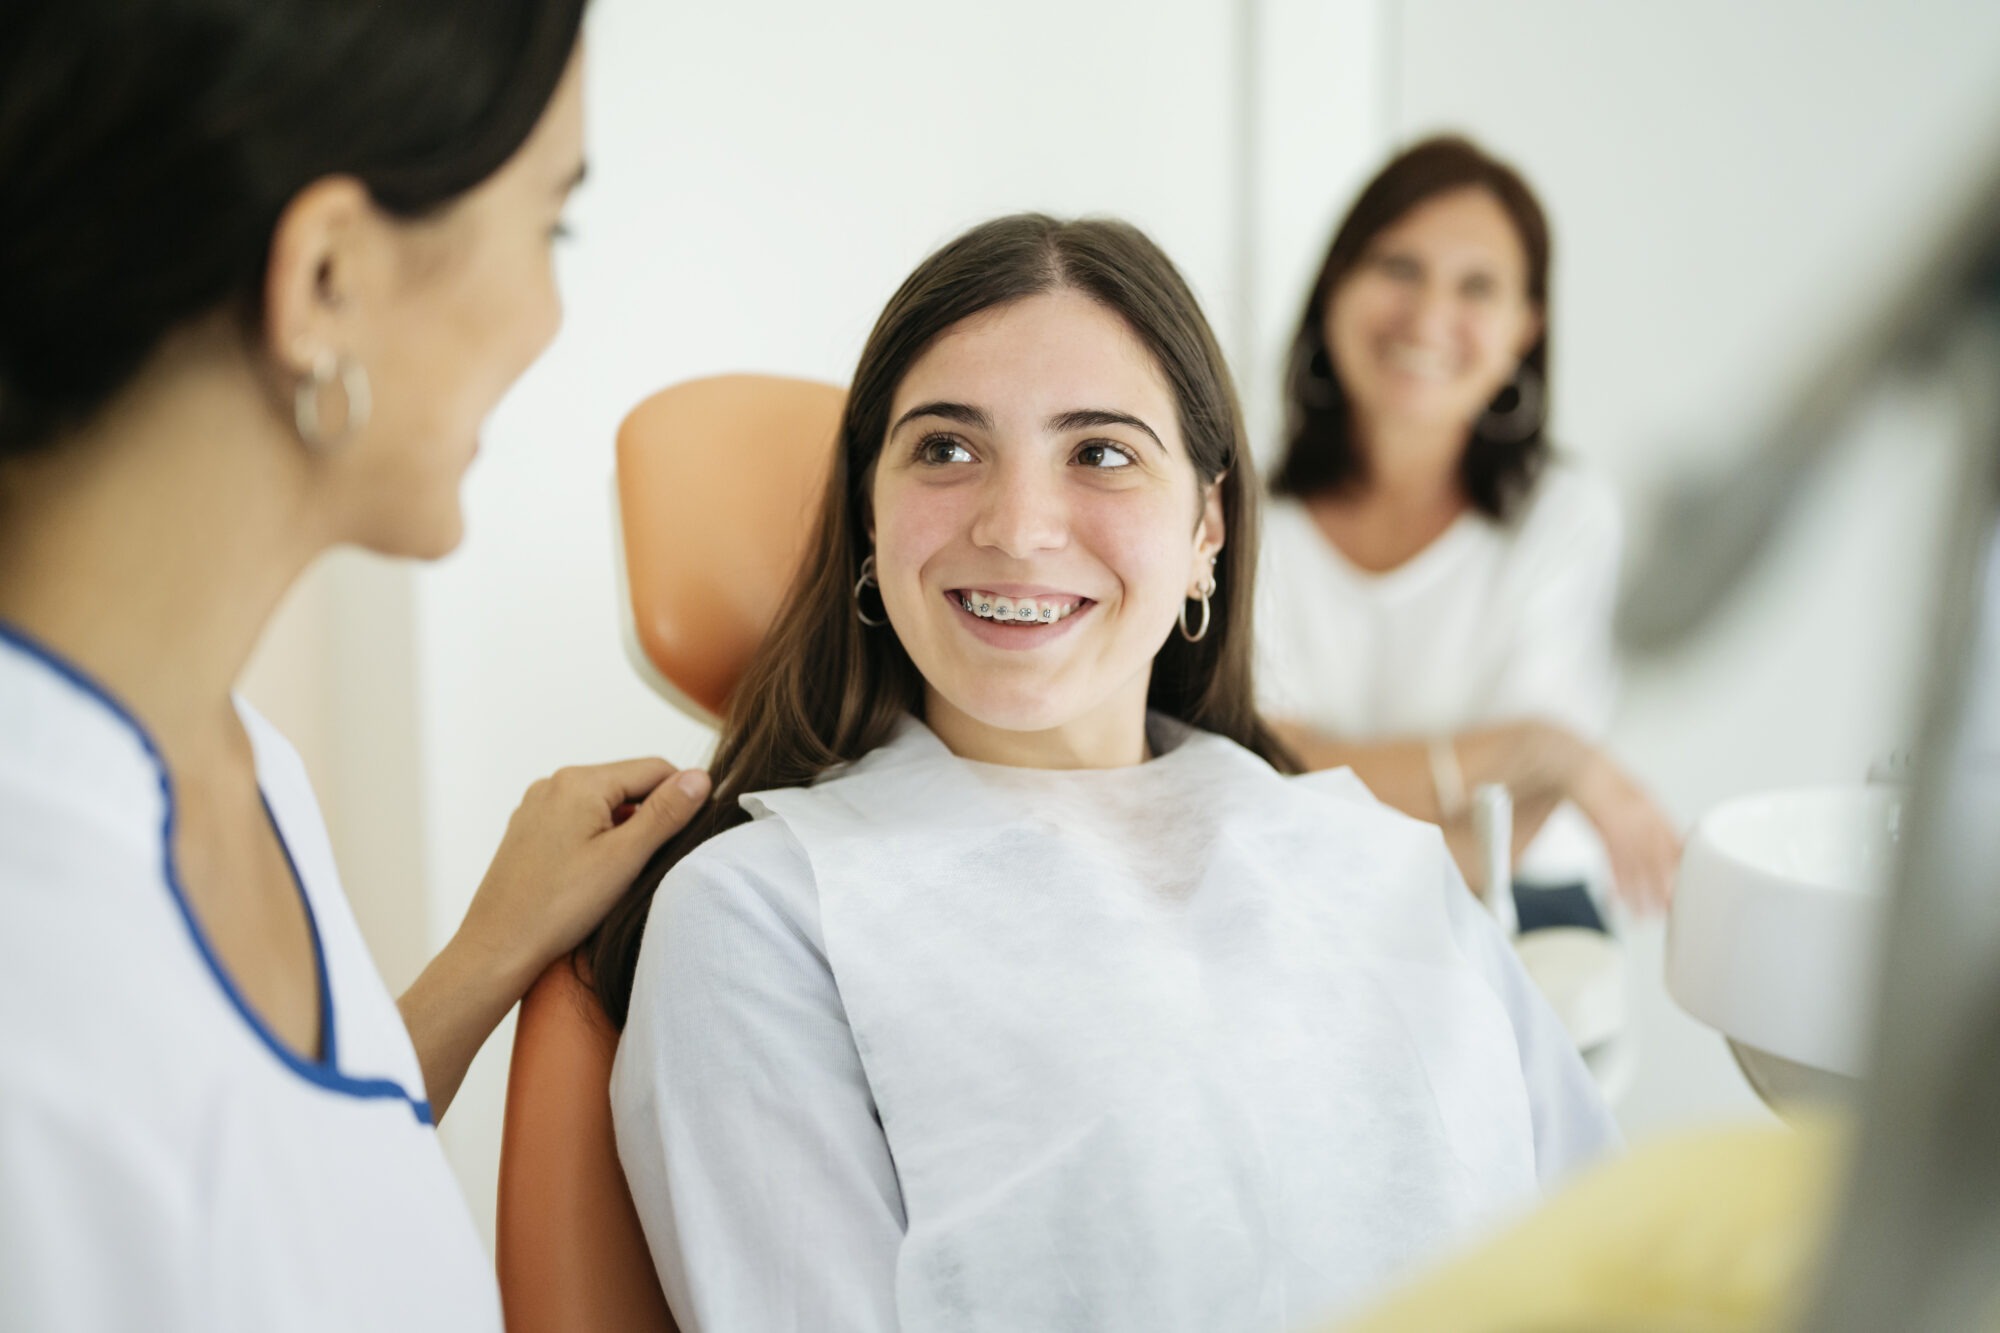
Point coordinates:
[[325, 253]]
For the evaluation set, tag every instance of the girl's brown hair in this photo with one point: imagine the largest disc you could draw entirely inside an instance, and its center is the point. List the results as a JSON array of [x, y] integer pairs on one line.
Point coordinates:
[[824, 689], [1496, 471]]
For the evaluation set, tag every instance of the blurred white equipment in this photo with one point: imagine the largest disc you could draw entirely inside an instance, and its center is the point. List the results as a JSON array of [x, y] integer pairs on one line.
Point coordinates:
[[1776, 929], [1913, 1247]]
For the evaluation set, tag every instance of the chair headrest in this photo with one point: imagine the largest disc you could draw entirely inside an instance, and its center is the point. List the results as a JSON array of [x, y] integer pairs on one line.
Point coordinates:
[[718, 485]]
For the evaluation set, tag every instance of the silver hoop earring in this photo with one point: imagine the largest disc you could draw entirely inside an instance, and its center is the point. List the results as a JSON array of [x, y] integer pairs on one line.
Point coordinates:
[[867, 580], [1519, 419], [1196, 635], [357, 400]]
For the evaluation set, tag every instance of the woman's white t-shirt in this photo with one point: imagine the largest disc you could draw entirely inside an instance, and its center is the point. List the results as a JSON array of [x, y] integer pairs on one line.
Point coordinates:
[[165, 1163], [1490, 622]]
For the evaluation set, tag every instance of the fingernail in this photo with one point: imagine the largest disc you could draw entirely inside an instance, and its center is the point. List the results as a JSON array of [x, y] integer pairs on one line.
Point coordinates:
[[693, 782]]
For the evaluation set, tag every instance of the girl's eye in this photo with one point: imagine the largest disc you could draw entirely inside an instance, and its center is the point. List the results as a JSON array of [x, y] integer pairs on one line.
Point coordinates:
[[941, 449], [1108, 457]]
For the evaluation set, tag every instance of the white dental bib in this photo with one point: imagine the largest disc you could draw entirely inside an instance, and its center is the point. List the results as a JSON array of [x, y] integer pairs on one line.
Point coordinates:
[[1186, 1045]]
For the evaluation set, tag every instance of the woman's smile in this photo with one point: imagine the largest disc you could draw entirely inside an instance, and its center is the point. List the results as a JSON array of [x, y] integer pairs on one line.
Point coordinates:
[[1420, 362]]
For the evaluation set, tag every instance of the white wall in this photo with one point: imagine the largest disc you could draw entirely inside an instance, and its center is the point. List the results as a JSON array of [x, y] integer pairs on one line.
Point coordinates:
[[1729, 182], [1314, 122]]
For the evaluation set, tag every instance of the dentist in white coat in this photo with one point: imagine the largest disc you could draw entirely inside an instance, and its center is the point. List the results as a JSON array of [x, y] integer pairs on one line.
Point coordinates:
[[265, 267]]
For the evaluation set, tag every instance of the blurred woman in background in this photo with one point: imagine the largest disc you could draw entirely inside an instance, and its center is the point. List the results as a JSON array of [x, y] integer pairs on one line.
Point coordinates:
[[1437, 585]]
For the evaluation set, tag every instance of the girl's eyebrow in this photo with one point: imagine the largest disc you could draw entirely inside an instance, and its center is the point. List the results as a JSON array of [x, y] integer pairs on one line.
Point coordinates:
[[963, 414], [1084, 418]]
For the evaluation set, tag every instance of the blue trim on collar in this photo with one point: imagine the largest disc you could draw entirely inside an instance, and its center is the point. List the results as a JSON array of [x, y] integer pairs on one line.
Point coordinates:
[[329, 1036], [323, 1073]]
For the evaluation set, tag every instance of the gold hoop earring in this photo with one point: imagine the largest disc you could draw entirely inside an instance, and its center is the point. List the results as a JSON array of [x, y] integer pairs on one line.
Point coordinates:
[[1196, 635], [867, 580], [357, 401]]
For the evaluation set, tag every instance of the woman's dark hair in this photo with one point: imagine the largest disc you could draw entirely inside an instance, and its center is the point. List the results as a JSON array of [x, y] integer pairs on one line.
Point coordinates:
[[1498, 469], [823, 689], [148, 148]]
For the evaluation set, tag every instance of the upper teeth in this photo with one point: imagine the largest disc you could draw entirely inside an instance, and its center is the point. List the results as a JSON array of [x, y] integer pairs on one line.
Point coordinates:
[[990, 606]]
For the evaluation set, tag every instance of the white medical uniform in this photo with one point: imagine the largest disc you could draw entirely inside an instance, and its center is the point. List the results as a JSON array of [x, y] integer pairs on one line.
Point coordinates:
[[939, 1045], [1490, 622], [166, 1164]]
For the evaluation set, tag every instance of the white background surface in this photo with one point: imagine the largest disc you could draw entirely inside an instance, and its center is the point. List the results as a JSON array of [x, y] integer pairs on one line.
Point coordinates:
[[1727, 182]]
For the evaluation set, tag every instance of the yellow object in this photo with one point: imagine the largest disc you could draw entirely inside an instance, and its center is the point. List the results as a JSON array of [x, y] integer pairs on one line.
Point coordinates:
[[1713, 1232]]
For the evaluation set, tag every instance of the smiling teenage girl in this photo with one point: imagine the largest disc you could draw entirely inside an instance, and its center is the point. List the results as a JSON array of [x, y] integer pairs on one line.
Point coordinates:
[[1010, 985]]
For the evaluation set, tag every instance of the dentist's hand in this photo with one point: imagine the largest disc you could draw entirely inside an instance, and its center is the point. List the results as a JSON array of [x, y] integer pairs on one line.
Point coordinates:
[[571, 848]]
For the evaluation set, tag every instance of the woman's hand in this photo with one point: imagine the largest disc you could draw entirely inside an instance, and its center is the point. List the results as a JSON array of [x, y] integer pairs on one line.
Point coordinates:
[[570, 850], [576, 841], [1645, 850]]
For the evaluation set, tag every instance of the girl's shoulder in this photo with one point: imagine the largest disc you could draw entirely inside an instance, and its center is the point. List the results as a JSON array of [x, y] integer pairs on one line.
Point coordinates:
[[759, 858]]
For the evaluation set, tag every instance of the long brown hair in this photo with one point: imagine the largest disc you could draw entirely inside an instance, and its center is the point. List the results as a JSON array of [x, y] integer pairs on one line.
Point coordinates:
[[823, 689], [1496, 471]]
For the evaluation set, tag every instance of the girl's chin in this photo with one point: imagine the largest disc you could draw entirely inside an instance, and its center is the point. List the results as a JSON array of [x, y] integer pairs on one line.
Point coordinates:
[[1019, 716], [1026, 711]]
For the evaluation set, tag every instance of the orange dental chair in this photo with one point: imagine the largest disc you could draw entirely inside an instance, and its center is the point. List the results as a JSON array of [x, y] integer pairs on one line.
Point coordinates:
[[717, 480]]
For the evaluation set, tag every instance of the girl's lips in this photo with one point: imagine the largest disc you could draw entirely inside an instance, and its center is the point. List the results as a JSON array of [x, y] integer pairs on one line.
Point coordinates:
[[1037, 592], [1015, 635]]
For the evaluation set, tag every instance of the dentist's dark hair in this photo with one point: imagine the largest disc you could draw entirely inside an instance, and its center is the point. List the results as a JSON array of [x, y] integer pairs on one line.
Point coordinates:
[[1496, 472], [149, 147], [824, 689]]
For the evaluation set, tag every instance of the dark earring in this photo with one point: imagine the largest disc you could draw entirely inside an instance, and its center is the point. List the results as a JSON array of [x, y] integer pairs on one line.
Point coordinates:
[[1515, 413], [1320, 389]]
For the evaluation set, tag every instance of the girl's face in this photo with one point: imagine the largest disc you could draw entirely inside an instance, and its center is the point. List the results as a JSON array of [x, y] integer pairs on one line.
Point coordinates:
[[1434, 319], [1037, 523]]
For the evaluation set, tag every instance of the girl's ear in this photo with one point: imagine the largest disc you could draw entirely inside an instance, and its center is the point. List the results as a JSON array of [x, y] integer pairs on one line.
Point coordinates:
[[1208, 536], [868, 502]]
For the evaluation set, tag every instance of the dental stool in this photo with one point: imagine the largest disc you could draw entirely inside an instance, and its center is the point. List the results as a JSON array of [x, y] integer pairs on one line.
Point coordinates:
[[708, 473]]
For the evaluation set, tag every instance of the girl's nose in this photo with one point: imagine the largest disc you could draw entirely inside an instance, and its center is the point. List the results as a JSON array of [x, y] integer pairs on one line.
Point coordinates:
[[1020, 513]]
